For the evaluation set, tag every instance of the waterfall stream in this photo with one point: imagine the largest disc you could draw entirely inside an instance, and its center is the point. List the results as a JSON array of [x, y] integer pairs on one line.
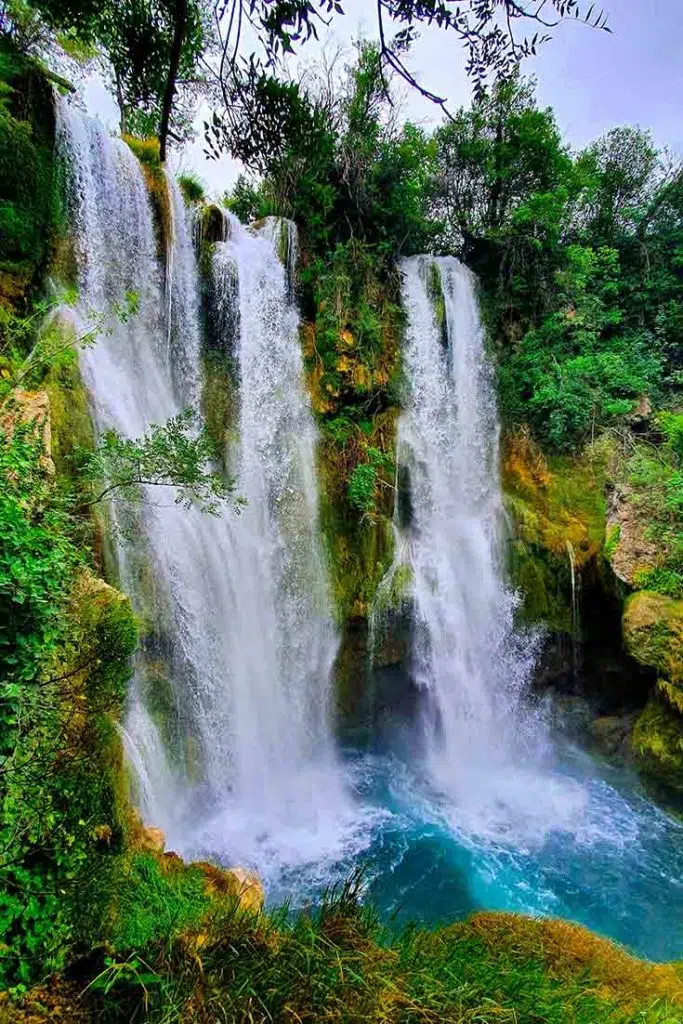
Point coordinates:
[[484, 745], [228, 726]]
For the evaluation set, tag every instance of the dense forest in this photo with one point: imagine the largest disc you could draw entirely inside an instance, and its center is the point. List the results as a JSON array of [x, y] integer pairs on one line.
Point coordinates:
[[578, 258]]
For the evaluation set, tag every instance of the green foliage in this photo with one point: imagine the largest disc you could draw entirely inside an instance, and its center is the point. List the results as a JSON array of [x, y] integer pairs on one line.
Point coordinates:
[[503, 162], [56, 663], [655, 478], [247, 201], [30, 201], [624, 165], [152, 903], [362, 487], [582, 368], [661, 579], [340, 168], [38, 558], [174, 454], [579, 257], [192, 188], [136, 36], [365, 479]]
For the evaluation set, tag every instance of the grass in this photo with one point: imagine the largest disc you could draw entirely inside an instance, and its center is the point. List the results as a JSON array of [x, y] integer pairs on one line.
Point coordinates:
[[338, 965], [191, 187]]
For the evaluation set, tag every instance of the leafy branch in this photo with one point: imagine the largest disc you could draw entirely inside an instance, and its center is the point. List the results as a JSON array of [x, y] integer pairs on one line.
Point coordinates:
[[174, 455]]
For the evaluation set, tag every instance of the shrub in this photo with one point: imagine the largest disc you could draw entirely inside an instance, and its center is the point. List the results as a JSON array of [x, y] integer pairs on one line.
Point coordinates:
[[192, 188]]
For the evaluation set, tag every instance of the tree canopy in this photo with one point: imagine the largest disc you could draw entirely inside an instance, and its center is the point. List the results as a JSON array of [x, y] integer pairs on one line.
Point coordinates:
[[158, 50]]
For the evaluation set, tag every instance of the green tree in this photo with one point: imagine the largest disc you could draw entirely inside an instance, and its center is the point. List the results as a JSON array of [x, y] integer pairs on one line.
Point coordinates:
[[502, 161], [487, 29], [153, 47]]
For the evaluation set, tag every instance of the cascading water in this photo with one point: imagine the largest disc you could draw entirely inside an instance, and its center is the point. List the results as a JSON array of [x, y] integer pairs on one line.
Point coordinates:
[[469, 661], [240, 641], [228, 725]]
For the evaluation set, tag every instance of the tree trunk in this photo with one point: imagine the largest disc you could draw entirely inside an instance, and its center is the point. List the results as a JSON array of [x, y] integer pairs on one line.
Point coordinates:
[[179, 30]]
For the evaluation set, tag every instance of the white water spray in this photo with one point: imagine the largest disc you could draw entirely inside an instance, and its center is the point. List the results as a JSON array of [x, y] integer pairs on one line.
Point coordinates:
[[483, 749], [228, 727]]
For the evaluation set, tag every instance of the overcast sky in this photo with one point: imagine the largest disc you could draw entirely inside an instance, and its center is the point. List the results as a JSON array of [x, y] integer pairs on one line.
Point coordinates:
[[593, 80]]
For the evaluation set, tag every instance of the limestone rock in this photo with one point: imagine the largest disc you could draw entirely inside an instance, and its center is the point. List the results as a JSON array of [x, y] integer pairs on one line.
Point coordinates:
[[30, 407], [151, 840], [237, 882], [653, 633], [627, 547], [611, 732], [146, 838]]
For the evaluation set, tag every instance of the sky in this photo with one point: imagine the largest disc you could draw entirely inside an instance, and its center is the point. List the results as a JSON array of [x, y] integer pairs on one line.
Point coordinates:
[[594, 80]]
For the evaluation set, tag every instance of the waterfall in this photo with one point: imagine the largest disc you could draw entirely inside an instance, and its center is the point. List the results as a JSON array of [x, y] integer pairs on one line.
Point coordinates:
[[576, 611], [228, 727], [469, 661]]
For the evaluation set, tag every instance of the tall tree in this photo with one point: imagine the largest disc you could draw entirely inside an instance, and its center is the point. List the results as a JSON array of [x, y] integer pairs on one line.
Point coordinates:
[[153, 49]]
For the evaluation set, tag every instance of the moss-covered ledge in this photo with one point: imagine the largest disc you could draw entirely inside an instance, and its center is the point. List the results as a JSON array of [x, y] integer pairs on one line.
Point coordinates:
[[653, 633], [556, 511]]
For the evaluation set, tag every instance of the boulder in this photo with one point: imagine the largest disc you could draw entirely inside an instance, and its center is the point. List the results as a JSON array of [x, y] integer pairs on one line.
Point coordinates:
[[610, 733], [657, 743], [653, 633], [237, 882], [151, 840]]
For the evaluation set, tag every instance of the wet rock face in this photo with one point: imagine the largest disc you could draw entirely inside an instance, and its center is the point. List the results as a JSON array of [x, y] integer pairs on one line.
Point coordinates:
[[611, 734], [653, 634], [657, 743], [628, 548]]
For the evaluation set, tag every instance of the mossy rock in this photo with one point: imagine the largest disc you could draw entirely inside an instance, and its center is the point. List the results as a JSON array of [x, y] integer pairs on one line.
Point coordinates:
[[219, 401], [72, 425], [556, 509], [545, 585], [555, 503], [657, 743], [653, 633], [31, 200], [147, 153], [212, 226], [108, 635]]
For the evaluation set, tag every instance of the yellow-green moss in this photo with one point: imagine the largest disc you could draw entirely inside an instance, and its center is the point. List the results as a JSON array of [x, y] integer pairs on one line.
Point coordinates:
[[554, 507], [653, 633], [147, 152], [657, 742], [544, 583], [556, 501], [70, 416], [219, 399], [571, 952]]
